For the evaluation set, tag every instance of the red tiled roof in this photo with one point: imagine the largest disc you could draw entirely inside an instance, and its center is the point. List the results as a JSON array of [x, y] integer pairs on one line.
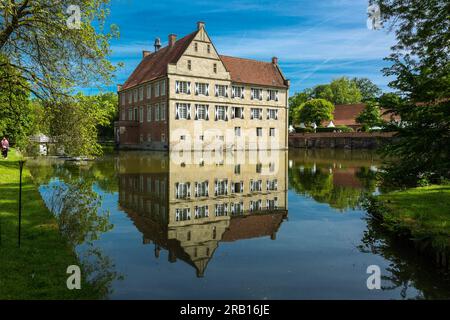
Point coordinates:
[[154, 65], [253, 72], [241, 70]]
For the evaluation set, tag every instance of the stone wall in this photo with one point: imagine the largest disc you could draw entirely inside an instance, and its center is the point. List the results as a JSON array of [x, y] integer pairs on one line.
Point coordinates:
[[351, 140]]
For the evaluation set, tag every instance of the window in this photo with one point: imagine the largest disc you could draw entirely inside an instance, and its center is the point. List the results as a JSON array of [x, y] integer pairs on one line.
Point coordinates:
[[237, 187], [215, 67], [208, 48], [135, 94], [130, 97], [182, 214], [255, 185], [149, 91], [237, 112], [202, 189], [258, 168], [221, 113], [157, 89], [256, 94], [141, 93], [130, 114], [196, 47], [136, 115], [221, 90], [149, 137], [237, 208], [272, 132], [183, 111], [141, 114], [202, 89], [122, 115], [162, 111], [149, 113], [237, 92], [201, 112], [221, 187], [201, 212], [272, 204], [182, 137], [255, 205], [141, 138], [122, 98], [221, 209], [256, 113], [237, 169], [183, 87], [163, 88], [272, 114], [201, 137], [272, 185], [157, 112], [182, 190], [272, 95], [189, 65], [237, 131], [163, 137]]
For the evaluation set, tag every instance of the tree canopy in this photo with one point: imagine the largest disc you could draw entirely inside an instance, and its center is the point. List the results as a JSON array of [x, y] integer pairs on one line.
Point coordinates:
[[371, 115], [315, 111], [420, 65], [51, 54]]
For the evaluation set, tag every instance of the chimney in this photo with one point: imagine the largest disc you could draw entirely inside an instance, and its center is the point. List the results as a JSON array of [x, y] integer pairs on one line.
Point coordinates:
[[200, 25], [145, 53], [119, 87], [275, 61], [172, 39], [157, 44]]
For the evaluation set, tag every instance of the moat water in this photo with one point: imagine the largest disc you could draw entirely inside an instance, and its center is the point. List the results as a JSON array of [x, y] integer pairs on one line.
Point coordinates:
[[284, 225]]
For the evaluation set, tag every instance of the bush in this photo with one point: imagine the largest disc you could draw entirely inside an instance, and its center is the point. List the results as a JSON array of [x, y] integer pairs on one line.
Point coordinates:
[[304, 130], [335, 129]]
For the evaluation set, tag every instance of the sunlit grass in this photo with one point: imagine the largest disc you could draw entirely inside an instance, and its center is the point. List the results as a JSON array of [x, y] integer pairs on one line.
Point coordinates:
[[36, 270]]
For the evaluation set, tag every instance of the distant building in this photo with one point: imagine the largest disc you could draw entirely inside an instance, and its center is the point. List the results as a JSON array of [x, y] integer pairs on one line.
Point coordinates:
[[187, 93]]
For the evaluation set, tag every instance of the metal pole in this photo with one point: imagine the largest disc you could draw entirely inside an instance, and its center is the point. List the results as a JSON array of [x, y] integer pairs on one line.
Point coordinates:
[[21, 163]]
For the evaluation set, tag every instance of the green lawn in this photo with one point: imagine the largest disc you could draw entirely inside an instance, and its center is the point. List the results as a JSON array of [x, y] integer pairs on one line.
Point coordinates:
[[37, 270], [424, 211]]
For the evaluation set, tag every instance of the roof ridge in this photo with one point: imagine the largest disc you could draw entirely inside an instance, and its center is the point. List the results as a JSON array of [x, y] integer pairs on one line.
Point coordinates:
[[248, 59]]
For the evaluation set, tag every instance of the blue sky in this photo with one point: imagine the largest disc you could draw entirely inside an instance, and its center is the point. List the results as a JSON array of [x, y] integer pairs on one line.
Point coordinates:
[[315, 41]]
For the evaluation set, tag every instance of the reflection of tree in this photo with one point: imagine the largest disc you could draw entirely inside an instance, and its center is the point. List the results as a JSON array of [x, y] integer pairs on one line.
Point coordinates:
[[407, 269], [320, 186], [68, 191], [77, 207]]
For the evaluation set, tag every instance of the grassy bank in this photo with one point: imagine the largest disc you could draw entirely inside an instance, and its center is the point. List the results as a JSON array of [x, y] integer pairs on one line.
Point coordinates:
[[421, 214], [37, 270]]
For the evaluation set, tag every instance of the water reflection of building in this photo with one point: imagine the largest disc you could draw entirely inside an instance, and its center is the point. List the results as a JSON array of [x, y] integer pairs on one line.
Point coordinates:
[[188, 207]]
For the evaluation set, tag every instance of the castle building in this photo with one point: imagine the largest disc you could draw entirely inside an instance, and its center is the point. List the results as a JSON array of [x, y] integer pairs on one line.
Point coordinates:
[[186, 94]]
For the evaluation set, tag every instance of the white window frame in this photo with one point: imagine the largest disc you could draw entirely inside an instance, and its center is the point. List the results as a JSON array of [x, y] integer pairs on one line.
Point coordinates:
[[149, 91], [201, 89], [272, 114], [183, 87], [217, 113], [272, 95], [233, 112], [162, 111], [205, 112], [141, 114], [256, 94], [156, 89], [180, 107], [257, 116], [221, 90], [163, 88], [149, 113], [157, 112], [237, 92]]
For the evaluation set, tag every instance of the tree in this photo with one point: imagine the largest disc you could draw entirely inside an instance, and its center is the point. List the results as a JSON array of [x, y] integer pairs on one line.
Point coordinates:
[[16, 116], [369, 90], [339, 91], [51, 50], [295, 102], [316, 111], [420, 65], [371, 115], [82, 115]]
